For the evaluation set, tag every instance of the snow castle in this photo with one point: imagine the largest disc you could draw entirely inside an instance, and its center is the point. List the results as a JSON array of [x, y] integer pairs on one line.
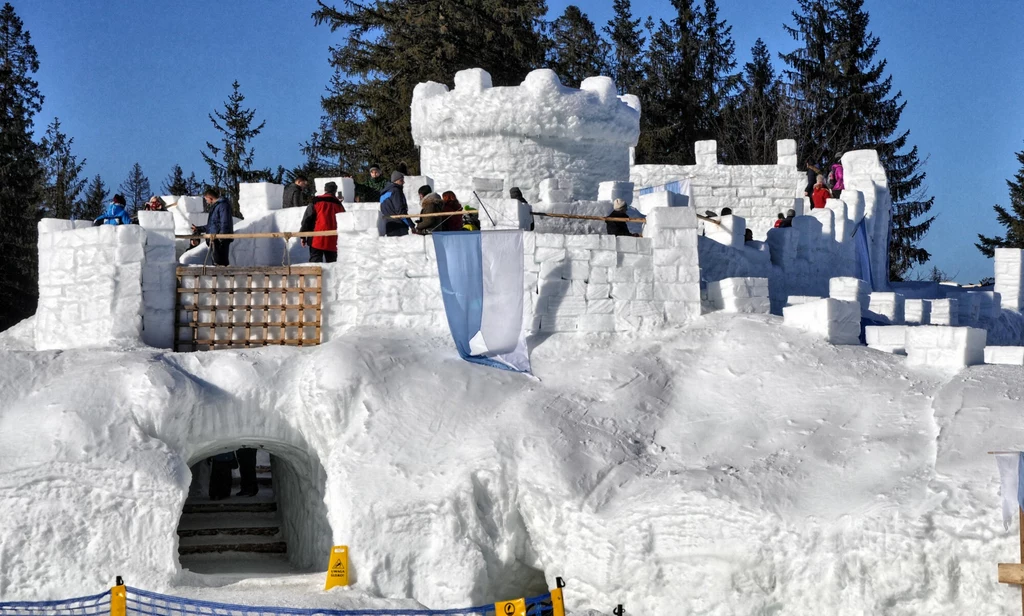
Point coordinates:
[[455, 484]]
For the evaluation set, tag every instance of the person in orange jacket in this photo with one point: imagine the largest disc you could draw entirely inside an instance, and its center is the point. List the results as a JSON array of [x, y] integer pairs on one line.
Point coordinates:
[[321, 215], [821, 193]]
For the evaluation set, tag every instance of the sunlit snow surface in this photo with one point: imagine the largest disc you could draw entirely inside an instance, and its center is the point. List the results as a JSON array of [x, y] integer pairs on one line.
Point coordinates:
[[733, 467]]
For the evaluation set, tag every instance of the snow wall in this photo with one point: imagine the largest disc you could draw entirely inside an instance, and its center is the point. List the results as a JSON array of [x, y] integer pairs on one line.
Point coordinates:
[[577, 278], [524, 134]]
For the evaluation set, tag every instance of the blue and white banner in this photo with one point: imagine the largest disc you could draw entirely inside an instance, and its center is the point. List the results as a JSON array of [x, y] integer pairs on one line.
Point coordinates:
[[1010, 489], [482, 288]]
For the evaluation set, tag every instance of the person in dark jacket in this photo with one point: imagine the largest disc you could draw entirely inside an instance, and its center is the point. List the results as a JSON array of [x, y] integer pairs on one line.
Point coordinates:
[[431, 204], [617, 227], [220, 221], [322, 216], [115, 214], [377, 181], [392, 203], [294, 193], [525, 209]]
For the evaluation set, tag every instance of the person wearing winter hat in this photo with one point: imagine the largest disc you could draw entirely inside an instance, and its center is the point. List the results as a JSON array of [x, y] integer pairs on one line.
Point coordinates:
[[618, 227], [321, 215], [392, 203], [374, 186], [115, 214]]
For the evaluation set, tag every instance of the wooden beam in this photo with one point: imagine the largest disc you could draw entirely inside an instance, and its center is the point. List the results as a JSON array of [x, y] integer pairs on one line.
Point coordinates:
[[583, 217], [1011, 573]]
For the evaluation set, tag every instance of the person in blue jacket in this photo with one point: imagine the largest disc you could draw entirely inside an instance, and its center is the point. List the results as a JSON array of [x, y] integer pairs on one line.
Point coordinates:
[[220, 221], [115, 214], [392, 203]]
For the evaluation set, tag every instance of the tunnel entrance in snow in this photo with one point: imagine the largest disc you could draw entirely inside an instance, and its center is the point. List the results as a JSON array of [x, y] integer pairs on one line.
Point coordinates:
[[237, 525]]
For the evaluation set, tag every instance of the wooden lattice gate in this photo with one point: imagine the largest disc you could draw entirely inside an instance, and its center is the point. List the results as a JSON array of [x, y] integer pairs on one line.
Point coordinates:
[[227, 307]]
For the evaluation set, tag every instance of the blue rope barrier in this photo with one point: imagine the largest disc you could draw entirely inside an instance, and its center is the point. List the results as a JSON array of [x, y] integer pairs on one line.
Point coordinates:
[[146, 603], [92, 605], [167, 605]]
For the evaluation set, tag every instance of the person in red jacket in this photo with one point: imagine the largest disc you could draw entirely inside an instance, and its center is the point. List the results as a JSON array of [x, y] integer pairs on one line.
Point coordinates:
[[821, 193], [321, 216]]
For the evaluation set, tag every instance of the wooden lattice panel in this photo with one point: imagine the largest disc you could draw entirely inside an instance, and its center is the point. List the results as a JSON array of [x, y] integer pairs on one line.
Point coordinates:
[[229, 307]]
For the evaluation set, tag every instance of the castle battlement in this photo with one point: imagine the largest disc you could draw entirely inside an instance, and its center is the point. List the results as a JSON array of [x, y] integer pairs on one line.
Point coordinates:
[[524, 134]]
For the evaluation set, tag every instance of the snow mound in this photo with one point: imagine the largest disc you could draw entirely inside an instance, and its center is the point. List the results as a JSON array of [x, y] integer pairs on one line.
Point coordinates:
[[732, 467]]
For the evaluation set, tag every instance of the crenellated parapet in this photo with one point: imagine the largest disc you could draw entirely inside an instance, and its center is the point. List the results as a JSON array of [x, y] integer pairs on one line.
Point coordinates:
[[524, 134]]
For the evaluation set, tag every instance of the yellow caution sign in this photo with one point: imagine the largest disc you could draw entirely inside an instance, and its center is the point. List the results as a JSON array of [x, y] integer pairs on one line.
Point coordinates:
[[337, 568], [557, 607], [516, 607], [118, 601]]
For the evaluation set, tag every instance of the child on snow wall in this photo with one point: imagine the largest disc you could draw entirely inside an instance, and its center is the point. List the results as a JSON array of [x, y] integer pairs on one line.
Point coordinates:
[[321, 215], [821, 193], [115, 214], [835, 178]]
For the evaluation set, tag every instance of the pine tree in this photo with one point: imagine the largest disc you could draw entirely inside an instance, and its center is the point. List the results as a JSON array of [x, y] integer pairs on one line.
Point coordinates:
[[193, 186], [135, 189], [758, 116], [1012, 219], [842, 100], [670, 98], [577, 52], [175, 183], [231, 162], [61, 182], [627, 48], [716, 78], [389, 47], [20, 171], [689, 80], [94, 201]]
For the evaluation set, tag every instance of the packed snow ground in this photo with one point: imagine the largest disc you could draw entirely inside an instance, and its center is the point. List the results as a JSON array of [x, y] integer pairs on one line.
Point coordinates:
[[732, 467]]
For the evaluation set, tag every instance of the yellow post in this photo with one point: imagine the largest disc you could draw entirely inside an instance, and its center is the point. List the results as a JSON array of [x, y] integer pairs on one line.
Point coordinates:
[[557, 606], [516, 607], [118, 601], [337, 567]]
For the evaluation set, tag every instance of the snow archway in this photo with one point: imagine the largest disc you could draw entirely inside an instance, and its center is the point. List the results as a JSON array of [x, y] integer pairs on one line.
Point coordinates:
[[299, 487]]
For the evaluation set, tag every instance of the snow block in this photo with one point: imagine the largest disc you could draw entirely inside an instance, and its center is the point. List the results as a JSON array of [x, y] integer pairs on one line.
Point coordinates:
[[796, 300], [1005, 355], [886, 307], [707, 152], [786, 151], [837, 321], [1009, 275], [888, 338], [256, 199], [729, 231], [610, 191], [346, 187], [945, 347], [943, 311], [850, 289], [743, 295], [916, 312]]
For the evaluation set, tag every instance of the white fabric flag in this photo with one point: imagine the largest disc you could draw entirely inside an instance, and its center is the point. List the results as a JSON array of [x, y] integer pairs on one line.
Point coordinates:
[[1009, 481]]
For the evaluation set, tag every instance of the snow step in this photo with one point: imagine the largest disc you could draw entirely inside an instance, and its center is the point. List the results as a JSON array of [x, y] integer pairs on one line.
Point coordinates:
[[249, 531], [217, 507], [276, 547]]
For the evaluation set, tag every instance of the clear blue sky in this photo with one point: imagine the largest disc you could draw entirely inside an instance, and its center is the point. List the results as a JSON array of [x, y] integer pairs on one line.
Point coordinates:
[[134, 81]]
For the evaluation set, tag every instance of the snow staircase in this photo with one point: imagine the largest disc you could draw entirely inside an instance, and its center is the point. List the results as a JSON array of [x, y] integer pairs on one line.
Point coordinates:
[[235, 524]]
